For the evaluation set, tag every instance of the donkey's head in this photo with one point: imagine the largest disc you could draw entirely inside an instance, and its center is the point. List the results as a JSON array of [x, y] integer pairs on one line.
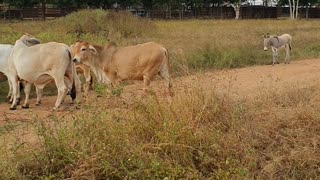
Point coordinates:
[[266, 41]]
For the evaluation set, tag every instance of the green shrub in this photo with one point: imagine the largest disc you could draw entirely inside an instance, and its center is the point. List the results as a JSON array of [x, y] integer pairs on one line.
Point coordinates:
[[107, 24]]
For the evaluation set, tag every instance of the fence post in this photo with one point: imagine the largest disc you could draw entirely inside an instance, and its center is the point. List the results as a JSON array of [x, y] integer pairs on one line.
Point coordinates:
[[44, 10]]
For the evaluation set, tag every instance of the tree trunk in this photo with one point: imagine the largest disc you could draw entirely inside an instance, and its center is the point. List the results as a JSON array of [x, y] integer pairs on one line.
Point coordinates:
[[9, 11], [43, 10], [307, 12], [297, 8], [236, 8], [290, 8], [293, 9]]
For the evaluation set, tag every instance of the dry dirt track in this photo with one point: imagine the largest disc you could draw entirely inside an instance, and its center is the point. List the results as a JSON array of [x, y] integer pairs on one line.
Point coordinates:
[[238, 83]]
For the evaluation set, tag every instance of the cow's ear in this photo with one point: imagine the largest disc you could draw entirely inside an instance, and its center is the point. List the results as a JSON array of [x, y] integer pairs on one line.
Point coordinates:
[[93, 50], [33, 41]]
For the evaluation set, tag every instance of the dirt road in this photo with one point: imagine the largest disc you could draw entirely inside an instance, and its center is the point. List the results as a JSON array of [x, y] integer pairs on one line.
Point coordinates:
[[238, 83]]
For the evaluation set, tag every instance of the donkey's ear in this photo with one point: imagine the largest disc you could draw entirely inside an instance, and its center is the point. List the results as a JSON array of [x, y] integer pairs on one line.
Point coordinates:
[[268, 35]]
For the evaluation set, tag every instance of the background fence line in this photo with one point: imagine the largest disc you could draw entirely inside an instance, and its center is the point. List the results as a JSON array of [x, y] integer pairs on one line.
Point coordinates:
[[223, 12]]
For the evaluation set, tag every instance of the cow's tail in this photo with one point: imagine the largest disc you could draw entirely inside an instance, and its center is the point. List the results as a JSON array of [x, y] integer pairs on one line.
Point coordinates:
[[164, 70], [21, 87], [73, 92]]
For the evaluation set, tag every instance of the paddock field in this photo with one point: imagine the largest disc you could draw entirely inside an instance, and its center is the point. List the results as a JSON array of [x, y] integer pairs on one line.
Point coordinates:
[[233, 116]]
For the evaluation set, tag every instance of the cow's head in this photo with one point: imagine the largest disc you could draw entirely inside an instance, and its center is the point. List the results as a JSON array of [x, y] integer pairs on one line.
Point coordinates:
[[83, 51], [29, 39], [266, 41]]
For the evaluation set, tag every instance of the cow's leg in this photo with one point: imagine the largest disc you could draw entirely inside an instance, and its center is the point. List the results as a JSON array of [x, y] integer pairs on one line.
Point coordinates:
[[10, 91], [88, 78], [39, 90], [10, 95], [14, 82], [20, 86], [62, 90], [146, 81], [78, 88], [27, 89], [68, 82]]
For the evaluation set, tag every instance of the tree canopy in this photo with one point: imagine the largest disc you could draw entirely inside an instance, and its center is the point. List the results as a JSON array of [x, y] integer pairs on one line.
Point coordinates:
[[147, 4]]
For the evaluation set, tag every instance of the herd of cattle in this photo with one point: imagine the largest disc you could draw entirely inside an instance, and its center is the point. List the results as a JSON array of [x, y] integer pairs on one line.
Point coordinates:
[[30, 62]]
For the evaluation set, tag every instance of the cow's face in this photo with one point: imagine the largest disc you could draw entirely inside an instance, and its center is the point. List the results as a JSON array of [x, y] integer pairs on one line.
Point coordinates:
[[266, 42], [83, 51], [29, 39]]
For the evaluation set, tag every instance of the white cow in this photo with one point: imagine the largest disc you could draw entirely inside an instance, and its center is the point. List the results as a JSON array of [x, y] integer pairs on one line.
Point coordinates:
[[40, 64], [5, 51]]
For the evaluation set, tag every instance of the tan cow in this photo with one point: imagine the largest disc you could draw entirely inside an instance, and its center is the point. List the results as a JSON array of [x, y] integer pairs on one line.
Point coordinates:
[[85, 70], [112, 64]]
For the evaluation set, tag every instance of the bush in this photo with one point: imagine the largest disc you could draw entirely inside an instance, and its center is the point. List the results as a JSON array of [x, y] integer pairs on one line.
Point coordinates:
[[104, 23]]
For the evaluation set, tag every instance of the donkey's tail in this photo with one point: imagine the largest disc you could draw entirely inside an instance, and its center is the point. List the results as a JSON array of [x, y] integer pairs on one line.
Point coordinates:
[[290, 47]]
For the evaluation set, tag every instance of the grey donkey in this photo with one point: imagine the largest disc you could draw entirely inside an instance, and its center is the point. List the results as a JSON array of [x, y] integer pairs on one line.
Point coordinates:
[[277, 42]]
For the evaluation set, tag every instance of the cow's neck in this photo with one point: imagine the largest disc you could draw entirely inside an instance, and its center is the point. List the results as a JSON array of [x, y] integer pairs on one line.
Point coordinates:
[[98, 66]]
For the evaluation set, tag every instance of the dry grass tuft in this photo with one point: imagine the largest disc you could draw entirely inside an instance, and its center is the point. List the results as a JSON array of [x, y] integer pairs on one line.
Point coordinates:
[[199, 135]]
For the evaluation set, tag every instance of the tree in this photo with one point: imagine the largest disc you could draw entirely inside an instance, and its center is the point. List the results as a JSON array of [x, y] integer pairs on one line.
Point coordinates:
[[21, 3], [308, 4], [236, 5], [294, 6]]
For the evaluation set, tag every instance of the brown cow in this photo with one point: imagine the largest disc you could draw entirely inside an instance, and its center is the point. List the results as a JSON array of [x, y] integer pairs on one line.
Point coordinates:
[[85, 70], [112, 64]]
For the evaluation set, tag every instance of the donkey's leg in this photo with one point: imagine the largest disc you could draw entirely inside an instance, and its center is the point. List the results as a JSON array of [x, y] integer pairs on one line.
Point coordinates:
[[274, 56], [287, 59]]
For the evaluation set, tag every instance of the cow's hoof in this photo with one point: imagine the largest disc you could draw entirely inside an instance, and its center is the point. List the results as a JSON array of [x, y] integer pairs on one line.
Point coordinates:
[[25, 106], [18, 101], [13, 108], [38, 103], [55, 108]]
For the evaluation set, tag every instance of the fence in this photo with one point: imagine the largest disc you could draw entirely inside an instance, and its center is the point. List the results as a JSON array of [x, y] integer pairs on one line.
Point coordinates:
[[246, 12], [34, 12]]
